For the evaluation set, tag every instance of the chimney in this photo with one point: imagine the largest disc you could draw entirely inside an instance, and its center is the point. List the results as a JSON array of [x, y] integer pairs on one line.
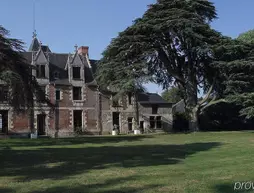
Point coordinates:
[[83, 50]]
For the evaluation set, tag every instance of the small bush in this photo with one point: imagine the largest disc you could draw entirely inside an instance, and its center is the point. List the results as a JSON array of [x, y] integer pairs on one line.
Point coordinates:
[[181, 122], [224, 117]]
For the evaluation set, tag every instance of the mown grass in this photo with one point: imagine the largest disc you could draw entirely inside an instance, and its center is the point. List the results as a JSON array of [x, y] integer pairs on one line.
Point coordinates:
[[193, 163]]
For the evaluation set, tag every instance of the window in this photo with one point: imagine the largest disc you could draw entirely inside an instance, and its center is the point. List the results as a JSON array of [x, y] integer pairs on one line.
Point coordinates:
[[155, 122], [42, 93], [40, 71], [56, 75], [155, 109], [77, 93], [4, 94], [152, 122], [58, 95], [76, 72], [115, 103], [158, 122], [129, 98]]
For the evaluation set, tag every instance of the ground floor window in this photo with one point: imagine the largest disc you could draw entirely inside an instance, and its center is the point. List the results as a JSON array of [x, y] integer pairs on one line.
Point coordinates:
[[4, 122], [58, 95], [158, 122], [77, 119], [130, 123], [155, 122]]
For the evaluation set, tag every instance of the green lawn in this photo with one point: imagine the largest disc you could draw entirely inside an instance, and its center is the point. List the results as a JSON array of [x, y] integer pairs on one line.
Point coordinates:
[[200, 162]]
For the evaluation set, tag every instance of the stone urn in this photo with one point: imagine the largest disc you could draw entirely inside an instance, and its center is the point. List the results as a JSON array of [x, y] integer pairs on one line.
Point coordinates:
[[137, 132], [34, 135], [114, 132]]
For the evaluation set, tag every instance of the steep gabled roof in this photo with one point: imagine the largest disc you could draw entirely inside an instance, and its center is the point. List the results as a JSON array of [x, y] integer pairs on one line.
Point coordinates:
[[58, 60], [35, 45]]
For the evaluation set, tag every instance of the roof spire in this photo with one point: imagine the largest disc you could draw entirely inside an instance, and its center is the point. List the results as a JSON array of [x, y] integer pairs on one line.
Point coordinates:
[[34, 30]]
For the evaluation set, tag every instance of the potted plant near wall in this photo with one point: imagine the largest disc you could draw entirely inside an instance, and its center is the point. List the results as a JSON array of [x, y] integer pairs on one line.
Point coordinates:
[[115, 130], [137, 130], [34, 135]]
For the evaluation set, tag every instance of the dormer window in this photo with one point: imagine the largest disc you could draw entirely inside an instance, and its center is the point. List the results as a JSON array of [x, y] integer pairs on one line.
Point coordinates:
[[56, 75], [4, 94], [40, 71], [155, 109], [130, 98], [76, 73]]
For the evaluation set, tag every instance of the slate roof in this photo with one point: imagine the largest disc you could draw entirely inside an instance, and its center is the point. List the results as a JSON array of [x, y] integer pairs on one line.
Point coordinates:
[[45, 48], [151, 98]]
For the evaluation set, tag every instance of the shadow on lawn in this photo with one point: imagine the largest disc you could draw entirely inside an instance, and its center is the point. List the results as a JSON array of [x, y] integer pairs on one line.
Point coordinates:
[[6, 190], [57, 163], [101, 187], [5, 144]]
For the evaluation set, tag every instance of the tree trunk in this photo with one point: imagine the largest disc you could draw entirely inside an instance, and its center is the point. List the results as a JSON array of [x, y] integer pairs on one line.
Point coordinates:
[[194, 119], [136, 109], [191, 101], [31, 119]]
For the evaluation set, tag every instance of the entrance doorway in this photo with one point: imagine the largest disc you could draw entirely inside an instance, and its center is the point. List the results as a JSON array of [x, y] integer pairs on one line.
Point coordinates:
[[141, 125], [4, 122], [130, 123], [116, 120], [41, 119], [77, 119]]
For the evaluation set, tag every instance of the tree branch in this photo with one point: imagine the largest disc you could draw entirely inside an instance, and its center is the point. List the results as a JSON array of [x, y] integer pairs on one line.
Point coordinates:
[[208, 93]]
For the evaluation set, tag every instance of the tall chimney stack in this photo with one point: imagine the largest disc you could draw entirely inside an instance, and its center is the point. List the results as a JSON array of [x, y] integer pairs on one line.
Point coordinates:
[[83, 50]]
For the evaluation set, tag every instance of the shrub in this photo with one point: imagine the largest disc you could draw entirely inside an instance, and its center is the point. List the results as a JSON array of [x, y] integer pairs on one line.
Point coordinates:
[[180, 122], [223, 117]]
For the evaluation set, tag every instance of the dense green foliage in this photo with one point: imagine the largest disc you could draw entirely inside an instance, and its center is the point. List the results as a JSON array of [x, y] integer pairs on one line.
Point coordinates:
[[235, 82], [224, 116], [247, 37], [173, 95], [172, 44], [15, 73]]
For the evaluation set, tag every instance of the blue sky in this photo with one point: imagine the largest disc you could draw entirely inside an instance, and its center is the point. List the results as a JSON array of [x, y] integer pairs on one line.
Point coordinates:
[[62, 24]]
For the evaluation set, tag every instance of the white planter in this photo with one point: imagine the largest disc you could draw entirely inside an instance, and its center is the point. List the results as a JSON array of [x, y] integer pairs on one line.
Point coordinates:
[[33, 136], [137, 132], [114, 133]]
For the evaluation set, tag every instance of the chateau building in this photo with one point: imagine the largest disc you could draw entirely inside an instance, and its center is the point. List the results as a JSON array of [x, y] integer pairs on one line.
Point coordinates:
[[80, 105]]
